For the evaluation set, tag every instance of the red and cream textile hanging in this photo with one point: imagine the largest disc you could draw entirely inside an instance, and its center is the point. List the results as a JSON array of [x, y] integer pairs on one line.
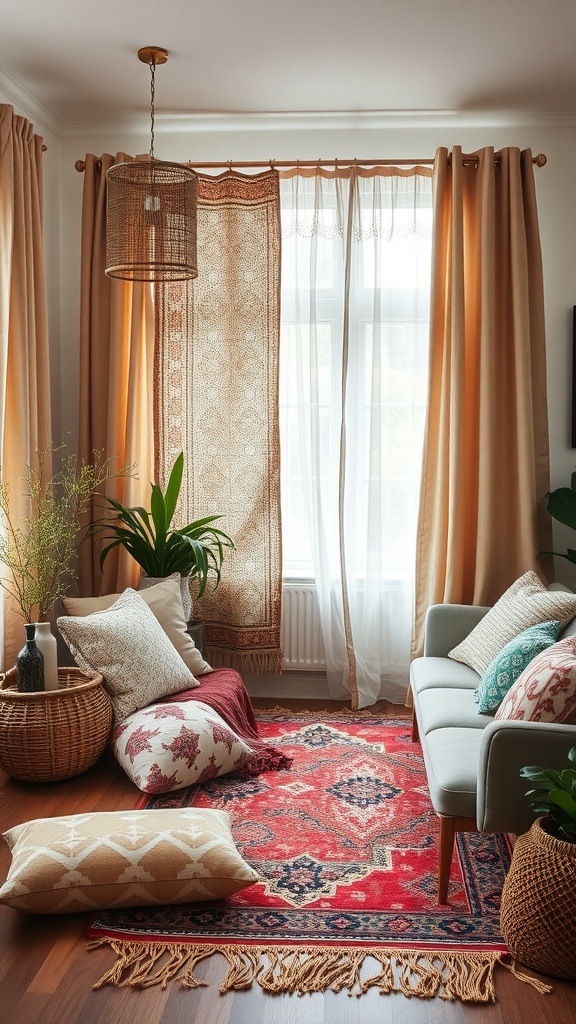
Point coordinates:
[[216, 398]]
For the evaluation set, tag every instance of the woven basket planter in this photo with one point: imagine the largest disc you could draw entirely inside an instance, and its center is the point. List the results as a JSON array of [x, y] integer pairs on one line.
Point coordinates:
[[53, 734], [538, 908]]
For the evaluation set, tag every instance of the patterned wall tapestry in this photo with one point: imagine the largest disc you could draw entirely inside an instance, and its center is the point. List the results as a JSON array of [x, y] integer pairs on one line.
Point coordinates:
[[216, 398]]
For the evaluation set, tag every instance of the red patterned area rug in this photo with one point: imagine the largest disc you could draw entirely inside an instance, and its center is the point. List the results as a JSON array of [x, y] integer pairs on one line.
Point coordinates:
[[347, 843]]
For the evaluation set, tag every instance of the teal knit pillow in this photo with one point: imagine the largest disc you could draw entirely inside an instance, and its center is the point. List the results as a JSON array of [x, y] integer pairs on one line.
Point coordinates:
[[511, 661]]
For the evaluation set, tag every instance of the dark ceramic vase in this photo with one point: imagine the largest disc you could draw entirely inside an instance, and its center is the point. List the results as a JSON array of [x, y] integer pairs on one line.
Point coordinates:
[[30, 664]]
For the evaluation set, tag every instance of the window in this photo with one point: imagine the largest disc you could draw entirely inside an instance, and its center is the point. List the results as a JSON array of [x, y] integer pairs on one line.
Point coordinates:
[[369, 290]]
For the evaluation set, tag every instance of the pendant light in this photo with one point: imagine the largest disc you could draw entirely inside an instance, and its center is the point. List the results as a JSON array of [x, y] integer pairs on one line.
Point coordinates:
[[151, 210]]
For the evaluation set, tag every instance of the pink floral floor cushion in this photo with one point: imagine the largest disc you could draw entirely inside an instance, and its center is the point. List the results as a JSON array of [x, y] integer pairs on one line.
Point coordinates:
[[164, 747]]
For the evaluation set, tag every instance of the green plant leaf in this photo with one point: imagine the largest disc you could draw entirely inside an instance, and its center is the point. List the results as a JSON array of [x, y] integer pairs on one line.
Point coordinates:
[[546, 777], [565, 801], [173, 488], [562, 506], [159, 518]]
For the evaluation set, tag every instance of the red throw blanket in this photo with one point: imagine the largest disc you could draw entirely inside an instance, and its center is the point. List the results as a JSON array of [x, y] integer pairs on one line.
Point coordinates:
[[224, 691]]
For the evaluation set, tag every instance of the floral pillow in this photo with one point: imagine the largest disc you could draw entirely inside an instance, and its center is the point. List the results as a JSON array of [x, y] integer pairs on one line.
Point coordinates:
[[546, 689], [169, 746]]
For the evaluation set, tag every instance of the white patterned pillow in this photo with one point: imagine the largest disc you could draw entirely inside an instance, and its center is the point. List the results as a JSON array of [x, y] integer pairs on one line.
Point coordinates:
[[128, 646], [165, 601], [90, 861], [524, 604], [546, 689], [169, 746]]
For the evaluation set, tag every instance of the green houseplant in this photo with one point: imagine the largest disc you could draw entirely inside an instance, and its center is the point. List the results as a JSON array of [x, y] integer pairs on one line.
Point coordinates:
[[195, 550], [562, 507], [538, 906], [39, 551], [555, 797]]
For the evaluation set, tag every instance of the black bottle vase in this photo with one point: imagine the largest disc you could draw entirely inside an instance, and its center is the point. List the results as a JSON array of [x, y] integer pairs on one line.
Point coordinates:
[[30, 664]]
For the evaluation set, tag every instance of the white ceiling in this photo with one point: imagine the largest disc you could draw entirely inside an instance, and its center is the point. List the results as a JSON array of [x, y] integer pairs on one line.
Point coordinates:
[[77, 58]]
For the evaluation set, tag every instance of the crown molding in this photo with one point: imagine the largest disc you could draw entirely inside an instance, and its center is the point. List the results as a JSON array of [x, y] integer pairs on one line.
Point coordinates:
[[29, 106], [266, 121], [320, 120]]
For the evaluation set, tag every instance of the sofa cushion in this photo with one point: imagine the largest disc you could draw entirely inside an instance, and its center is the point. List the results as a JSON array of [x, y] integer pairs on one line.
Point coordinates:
[[429, 673], [511, 661], [524, 604], [451, 756], [440, 707]]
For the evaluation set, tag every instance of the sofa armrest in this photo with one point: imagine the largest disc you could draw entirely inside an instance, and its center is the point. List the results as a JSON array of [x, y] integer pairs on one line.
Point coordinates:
[[508, 746], [447, 625]]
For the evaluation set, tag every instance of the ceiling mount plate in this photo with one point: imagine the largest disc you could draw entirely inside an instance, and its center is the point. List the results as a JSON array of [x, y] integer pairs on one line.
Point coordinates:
[[153, 55]]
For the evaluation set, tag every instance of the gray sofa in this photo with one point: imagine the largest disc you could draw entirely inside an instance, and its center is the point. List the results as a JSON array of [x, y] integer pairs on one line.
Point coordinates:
[[472, 761]]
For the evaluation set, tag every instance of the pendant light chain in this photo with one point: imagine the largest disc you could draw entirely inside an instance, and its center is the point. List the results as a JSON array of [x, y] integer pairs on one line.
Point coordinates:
[[152, 93]]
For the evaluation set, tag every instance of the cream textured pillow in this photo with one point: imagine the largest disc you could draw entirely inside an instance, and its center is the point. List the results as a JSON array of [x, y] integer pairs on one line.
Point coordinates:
[[180, 743], [524, 604], [83, 862], [546, 689], [165, 601], [128, 646]]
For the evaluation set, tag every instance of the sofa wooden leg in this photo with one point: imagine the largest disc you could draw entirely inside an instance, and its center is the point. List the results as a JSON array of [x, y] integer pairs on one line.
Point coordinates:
[[414, 735], [447, 836]]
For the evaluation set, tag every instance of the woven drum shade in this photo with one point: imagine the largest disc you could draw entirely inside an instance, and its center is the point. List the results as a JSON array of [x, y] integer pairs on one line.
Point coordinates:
[[151, 221]]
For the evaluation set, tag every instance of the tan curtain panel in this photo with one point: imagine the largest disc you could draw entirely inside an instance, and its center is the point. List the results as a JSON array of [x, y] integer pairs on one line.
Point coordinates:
[[217, 400], [24, 354], [116, 383], [485, 475]]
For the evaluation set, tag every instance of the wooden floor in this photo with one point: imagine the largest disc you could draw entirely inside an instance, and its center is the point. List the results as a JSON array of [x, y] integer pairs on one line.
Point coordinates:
[[46, 975]]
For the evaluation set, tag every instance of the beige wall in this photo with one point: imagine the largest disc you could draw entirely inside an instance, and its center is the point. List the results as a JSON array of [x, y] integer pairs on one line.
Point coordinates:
[[360, 137]]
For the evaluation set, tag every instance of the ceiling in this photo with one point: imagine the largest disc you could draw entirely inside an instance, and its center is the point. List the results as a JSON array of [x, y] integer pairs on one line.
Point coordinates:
[[77, 58]]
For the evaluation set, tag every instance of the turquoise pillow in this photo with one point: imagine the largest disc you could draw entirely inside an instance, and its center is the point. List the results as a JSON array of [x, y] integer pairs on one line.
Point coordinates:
[[511, 661]]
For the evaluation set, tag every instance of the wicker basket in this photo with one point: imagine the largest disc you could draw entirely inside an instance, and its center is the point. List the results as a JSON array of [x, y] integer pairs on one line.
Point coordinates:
[[538, 908], [53, 734]]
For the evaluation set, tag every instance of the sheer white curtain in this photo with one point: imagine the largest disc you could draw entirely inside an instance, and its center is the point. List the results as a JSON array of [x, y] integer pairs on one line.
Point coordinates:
[[354, 352]]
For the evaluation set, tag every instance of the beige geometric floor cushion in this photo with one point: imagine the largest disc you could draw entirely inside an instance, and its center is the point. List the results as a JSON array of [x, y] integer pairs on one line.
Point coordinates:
[[80, 862]]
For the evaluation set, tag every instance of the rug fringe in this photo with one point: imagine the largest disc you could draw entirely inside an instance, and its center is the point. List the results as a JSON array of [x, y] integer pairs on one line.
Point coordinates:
[[323, 712], [464, 975]]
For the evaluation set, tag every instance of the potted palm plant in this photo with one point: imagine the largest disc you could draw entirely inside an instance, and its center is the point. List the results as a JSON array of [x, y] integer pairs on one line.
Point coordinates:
[[538, 908], [194, 551]]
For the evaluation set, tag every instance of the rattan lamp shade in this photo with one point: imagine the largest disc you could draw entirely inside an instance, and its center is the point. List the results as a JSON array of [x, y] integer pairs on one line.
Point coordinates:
[[151, 221]]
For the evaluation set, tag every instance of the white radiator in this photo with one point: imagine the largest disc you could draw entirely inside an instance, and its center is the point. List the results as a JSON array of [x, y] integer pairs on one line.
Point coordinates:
[[301, 634]]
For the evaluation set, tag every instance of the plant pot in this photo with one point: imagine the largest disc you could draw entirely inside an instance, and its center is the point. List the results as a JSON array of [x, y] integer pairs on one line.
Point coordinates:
[[538, 907]]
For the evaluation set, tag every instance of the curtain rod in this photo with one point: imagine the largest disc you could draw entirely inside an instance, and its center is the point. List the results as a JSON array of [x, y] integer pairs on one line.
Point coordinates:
[[540, 160]]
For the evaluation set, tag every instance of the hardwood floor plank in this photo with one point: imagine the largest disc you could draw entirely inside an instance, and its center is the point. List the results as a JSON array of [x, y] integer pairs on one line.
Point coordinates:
[[61, 957]]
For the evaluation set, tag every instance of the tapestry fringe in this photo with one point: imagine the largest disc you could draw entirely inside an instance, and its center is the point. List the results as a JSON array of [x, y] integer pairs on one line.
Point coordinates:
[[450, 975], [257, 662]]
